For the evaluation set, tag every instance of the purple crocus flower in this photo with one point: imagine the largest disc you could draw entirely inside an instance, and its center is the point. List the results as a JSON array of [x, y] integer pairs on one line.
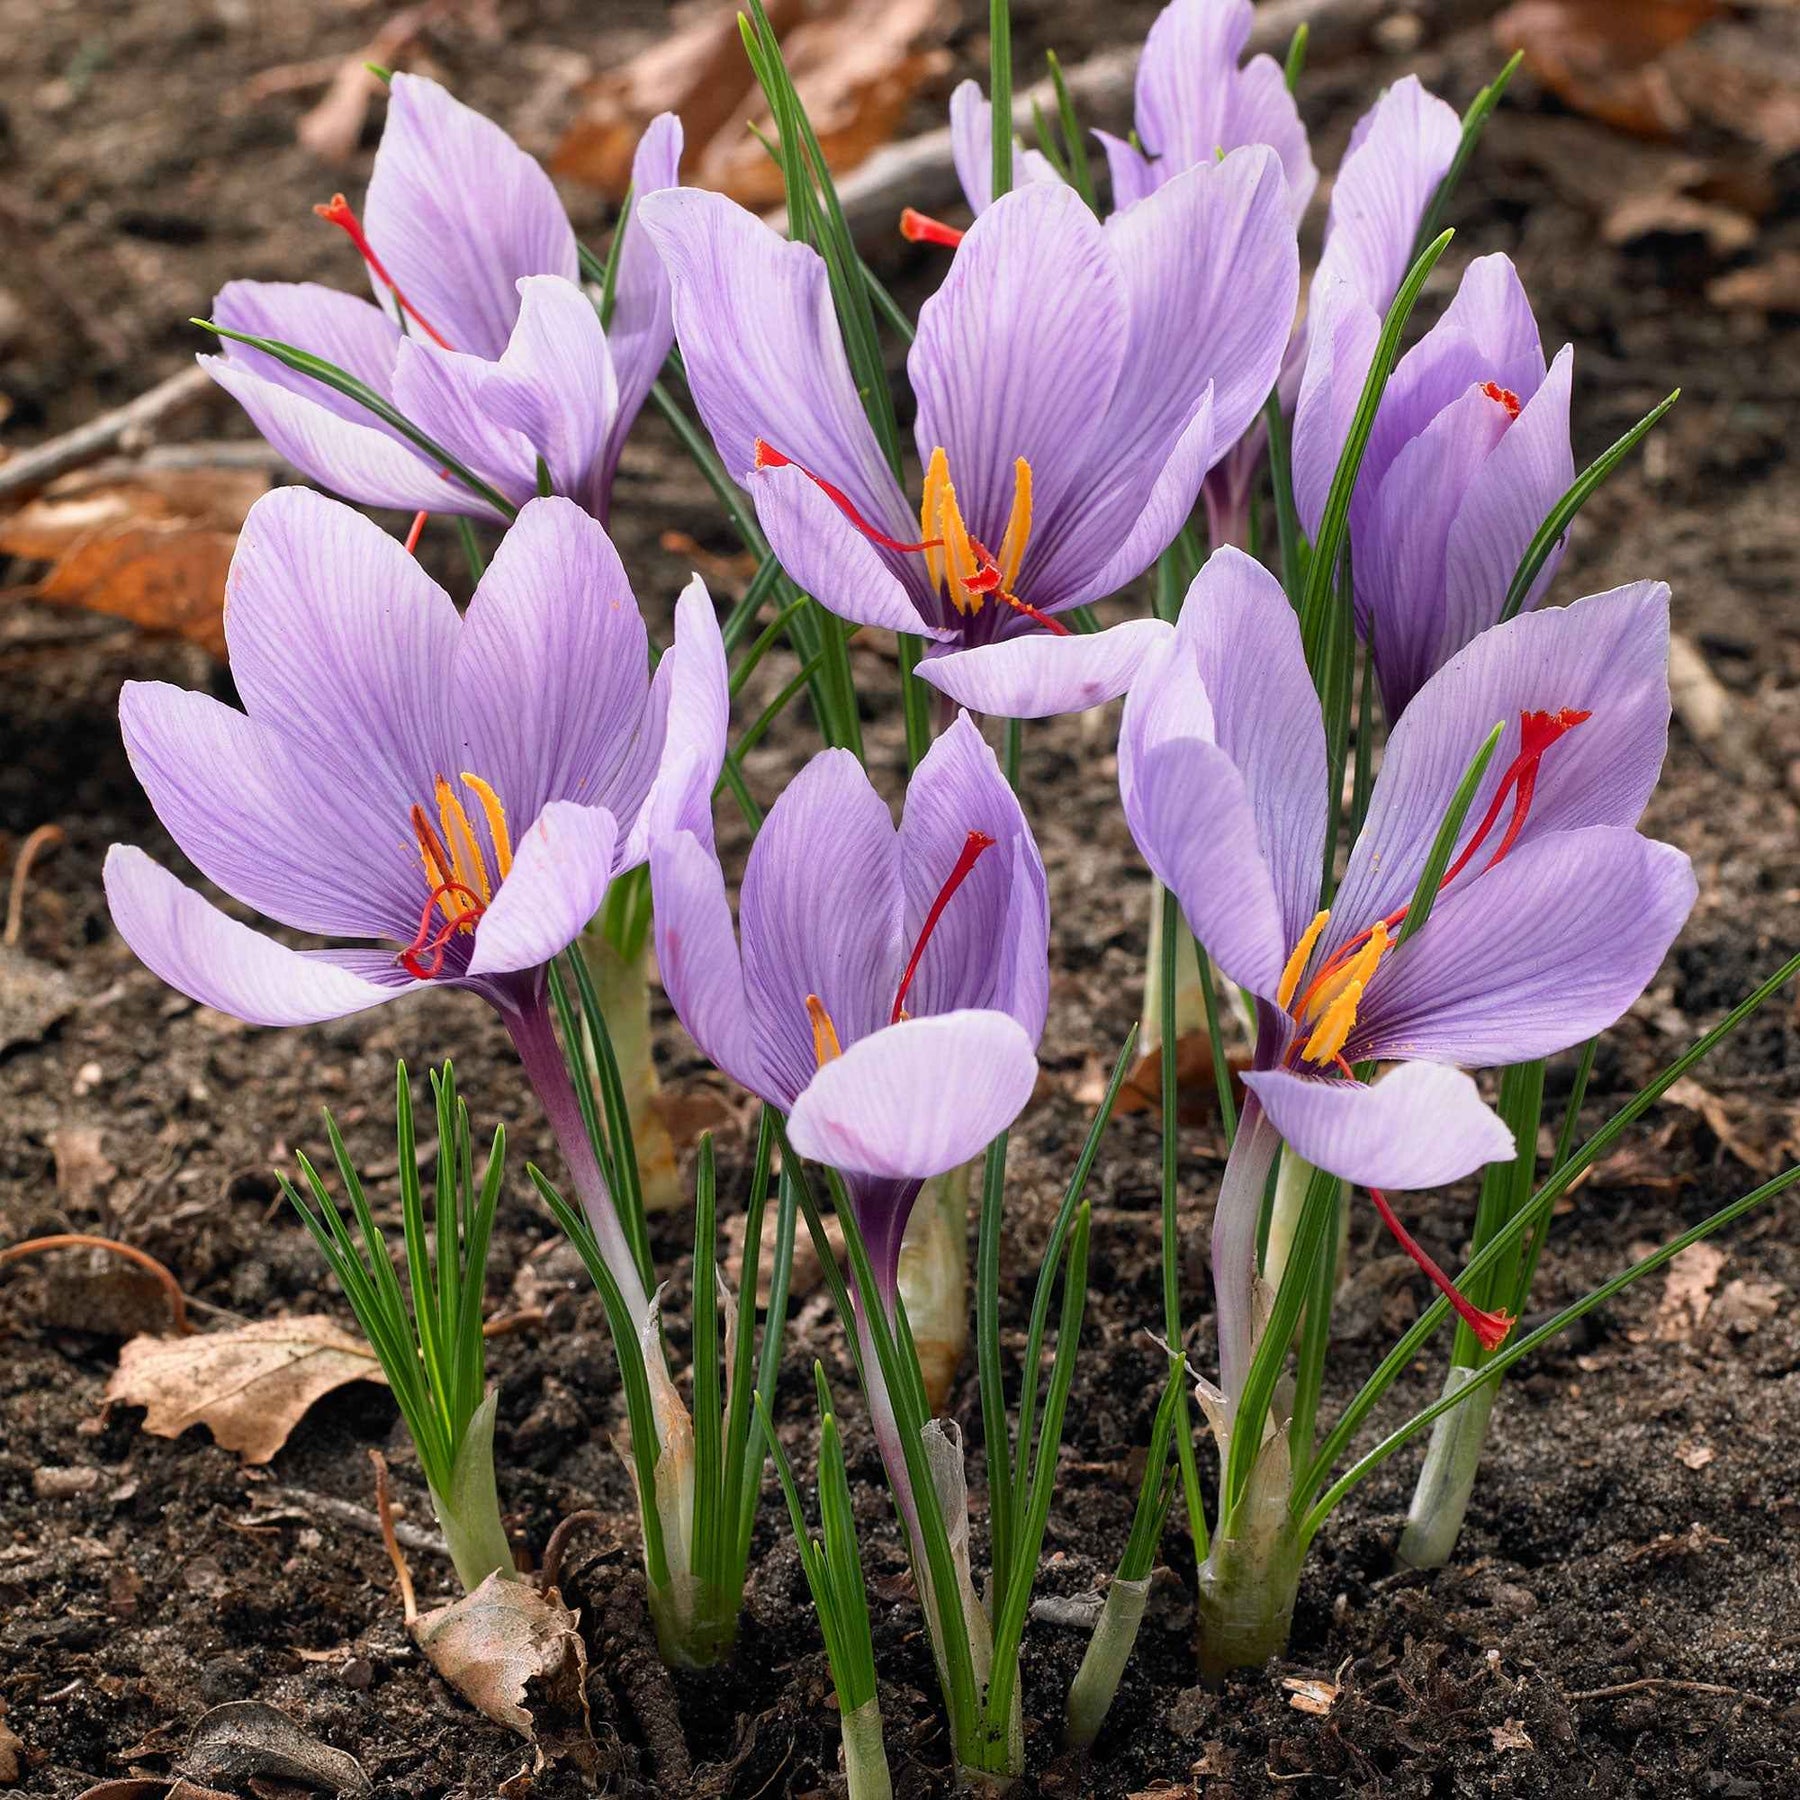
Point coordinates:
[[480, 333], [1074, 383], [462, 787], [1470, 451], [1552, 917], [885, 988]]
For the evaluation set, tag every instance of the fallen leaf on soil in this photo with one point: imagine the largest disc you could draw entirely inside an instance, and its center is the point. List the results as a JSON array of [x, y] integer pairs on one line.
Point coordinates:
[[246, 1740], [151, 546], [252, 1385], [151, 1787], [1695, 1456], [856, 65], [1670, 212], [81, 1166], [1723, 1120], [1743, 1306], [1687, 1292], [494, 1643], [1510, 1736], [1310, 1694], [1770, 287], [12, 1752], [1197, 1094], [33, 996], [1604, 58]]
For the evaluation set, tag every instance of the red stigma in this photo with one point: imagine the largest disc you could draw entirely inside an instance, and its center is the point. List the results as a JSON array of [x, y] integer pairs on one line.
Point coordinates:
[[1537, 732], [431, 944], [413, 536], [338, 213], [1490, 1328], [1502, 397], [921, 228], [768, 457], [974, 845]]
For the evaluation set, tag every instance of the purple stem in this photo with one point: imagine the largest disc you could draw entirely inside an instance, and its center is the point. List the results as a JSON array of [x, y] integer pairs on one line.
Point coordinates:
[[527, 1017]]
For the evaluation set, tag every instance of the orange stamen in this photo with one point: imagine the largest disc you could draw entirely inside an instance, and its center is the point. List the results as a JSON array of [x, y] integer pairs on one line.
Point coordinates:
[[1490, 1328], [973, 846], [921, 228], [338, 213], [1502, 397], [768, 457]]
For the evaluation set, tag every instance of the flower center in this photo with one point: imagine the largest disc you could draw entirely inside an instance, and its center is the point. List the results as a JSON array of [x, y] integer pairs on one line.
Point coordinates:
[[1502, 397], [338, 213], [826, 1047], [457, 875], [958, 564], [1329, 1002]]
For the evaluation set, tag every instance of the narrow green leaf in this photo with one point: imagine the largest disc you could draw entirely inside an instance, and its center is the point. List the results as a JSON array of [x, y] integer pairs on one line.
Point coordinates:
[[1295, 64]]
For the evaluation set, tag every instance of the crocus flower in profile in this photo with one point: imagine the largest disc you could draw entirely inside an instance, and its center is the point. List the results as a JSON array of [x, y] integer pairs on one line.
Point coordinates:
[[1469, 452], [480, 333], [1074, 383], [1552, 917], [885, 988], [462, 787]]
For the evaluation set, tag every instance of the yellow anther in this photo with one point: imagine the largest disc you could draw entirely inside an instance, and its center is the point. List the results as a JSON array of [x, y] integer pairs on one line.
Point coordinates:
[[825, 1038], [1296, 964], [467, 865], [1358, 969], [1018, 527], [941, 520], [1333, 1031], [496, 821]]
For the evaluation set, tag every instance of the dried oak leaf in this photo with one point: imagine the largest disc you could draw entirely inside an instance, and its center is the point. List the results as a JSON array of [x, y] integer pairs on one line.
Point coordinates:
[[503, 1639], [856, 65], [151, 1787], [245, 1741], [151, 545], [252, 1385], [1687, 1291]]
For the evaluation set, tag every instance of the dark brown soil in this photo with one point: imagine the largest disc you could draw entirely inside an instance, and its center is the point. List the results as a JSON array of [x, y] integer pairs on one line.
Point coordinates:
[[1621, 1616]]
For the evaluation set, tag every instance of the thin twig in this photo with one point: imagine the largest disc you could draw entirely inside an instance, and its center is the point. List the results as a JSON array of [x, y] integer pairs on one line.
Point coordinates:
[[559, 1543], [358, 1518], [81, 1240], [39, 841], [1669, 1684], [33, 468], [384, 1510]]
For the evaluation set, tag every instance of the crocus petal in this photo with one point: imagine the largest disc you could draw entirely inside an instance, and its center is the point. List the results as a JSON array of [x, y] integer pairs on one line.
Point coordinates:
[[642, 326], [1399, 553], [261, 825], [1401, 151], [1038, 675], [1342, 331], [442, 392], [552, 668], [458, 212], [917, 1099], [1194, 101], [1533, 467], [972, 149], [362, 462], [1018, 354], [1419, 1126], [221, 963], [559, 876], [1133, 173], [1607, 655], [834, 562], [764, 358], [991, 945], [820, 914], [698, 962], [691, 701], [1541, 952], [342, 646], [343, 329]]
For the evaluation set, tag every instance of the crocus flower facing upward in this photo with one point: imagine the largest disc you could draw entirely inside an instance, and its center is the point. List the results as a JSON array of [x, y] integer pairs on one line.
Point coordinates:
[[885, 987], [1469, 452], [1551, 918], [480, 333], [462, 787], [1074, 383]]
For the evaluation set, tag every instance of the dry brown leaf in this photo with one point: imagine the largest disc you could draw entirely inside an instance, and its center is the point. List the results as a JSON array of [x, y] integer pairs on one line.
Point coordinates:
[[252, 1385], [1310, 1694], [151, 1787], [1687, 1292], [12, 1755], [82, 1170], [151, 546], [1723, 1121], [856, 65], [1695, 1456], [1743, 1306], [246, 1742], [1196, 1090], [1511, 1735], [1770, 287], [1604, 57], [492, 1644]]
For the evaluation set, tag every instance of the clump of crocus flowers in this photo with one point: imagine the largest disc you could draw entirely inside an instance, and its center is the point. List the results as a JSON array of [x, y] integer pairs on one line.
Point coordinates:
[[1405, 893]]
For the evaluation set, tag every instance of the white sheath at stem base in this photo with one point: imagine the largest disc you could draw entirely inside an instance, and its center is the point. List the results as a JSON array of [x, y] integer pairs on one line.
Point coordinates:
[[1245, 1605], [622, 985], [1441, 1498], [865, 1755], [1109, 1650], [470, 1512], [934, 1280]]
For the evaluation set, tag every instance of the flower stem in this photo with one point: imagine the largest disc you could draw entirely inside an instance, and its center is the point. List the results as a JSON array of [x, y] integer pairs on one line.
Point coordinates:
[[1245, 1603], [1109, 1649], [1447, 1480], [865, 1755]]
